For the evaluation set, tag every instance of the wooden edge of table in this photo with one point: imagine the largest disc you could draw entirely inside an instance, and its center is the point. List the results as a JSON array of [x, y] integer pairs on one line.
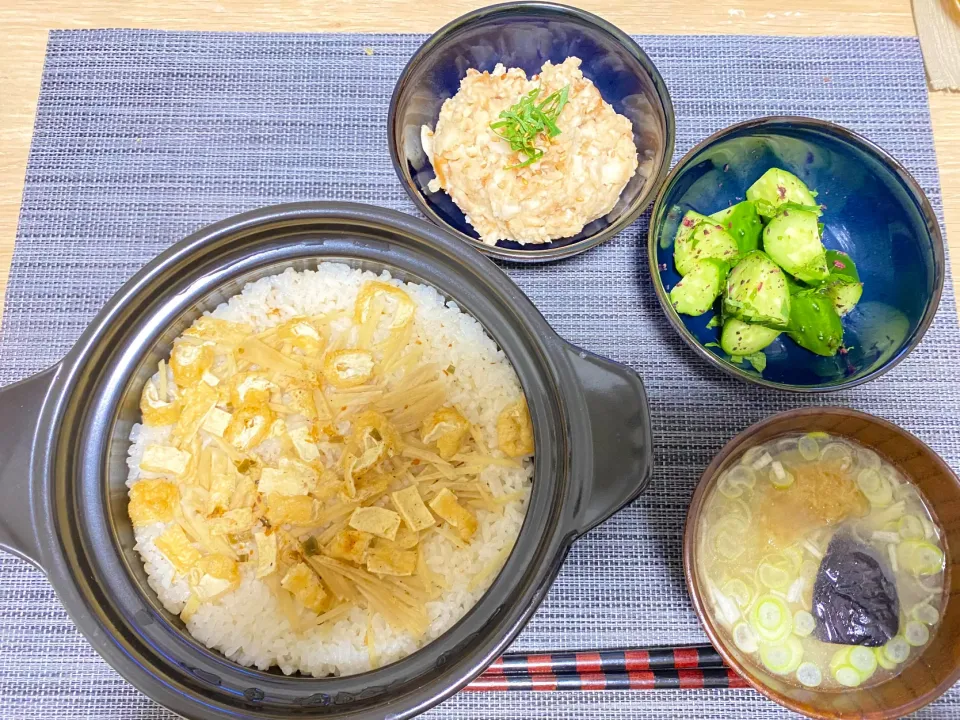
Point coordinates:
[[27, 23]]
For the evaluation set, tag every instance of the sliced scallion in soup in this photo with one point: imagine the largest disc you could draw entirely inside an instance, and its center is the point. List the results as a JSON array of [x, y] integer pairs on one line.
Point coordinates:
[[822, 562]]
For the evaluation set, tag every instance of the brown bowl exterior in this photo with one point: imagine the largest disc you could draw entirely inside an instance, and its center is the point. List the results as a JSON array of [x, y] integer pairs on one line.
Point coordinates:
[[929, 675]]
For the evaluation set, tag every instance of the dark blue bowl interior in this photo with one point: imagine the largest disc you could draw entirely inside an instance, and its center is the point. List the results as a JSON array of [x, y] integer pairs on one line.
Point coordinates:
[[526, 37], [872, 211]]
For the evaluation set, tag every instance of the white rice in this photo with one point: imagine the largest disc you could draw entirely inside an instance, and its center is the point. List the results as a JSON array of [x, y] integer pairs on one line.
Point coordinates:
[[247, 625]]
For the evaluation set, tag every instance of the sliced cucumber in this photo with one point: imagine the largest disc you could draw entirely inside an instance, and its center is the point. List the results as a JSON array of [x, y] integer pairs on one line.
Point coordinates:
[[897, 650], [777, 186], [745, 638], [742, 222], [700, 286], [792, 240], [687, 225], [920, 557], [771, 619], [782, 658], [794, 286], [842, 267], [844, 295], [803, 623], [843, 286], [740, 338], [814, 323], [809, 674], [916, 633], [757, 292], [708, 241]]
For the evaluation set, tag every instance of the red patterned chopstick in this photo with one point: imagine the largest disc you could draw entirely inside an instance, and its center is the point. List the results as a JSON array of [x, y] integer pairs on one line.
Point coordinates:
[[660, 679], [694, 657], [657, 668]]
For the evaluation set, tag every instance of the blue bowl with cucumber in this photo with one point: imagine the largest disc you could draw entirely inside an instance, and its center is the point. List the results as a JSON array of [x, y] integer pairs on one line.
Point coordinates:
[[795, 254]]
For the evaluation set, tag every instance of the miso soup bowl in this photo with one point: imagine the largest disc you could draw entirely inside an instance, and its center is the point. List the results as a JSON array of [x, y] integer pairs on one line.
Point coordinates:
[[927, 675]]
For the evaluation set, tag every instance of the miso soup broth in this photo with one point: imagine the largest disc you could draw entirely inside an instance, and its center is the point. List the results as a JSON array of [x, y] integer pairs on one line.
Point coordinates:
[[822, 562]]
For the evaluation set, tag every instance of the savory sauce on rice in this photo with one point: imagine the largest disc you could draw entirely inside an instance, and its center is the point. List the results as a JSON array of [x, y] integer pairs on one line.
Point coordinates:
[[330, 470]]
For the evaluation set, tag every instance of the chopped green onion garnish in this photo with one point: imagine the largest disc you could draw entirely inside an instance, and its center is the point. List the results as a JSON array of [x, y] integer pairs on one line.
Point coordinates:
[[847, 676], [803, 623], [809, 674], [897, 650], [525, 121], [916, 633], [864, 661]]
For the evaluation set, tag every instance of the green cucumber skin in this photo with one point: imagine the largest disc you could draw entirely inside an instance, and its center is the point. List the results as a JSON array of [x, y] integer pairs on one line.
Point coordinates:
[[844, 295], [843, 285], [814, 273], [842, 266], [794, 285], [697, 291], [740, 338], [815, 323], [756, 291], [777, 186], [792, 241], [743, 223]]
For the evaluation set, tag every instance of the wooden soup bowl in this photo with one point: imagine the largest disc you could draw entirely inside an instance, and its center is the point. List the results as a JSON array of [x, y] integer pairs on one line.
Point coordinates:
[[926, 676]]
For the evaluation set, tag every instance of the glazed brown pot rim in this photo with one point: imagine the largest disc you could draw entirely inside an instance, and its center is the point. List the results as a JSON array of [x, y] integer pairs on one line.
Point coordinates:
[[733, 446]]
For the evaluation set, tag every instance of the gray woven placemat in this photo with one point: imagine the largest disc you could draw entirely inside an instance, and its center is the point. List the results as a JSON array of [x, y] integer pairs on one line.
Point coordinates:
[[142, 137]]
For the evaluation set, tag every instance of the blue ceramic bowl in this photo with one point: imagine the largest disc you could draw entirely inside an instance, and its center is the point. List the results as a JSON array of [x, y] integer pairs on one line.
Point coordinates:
[[526, 35], [873, 210]]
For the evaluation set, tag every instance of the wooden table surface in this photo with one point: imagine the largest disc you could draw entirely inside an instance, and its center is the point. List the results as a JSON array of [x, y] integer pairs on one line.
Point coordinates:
[[27, 22]]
